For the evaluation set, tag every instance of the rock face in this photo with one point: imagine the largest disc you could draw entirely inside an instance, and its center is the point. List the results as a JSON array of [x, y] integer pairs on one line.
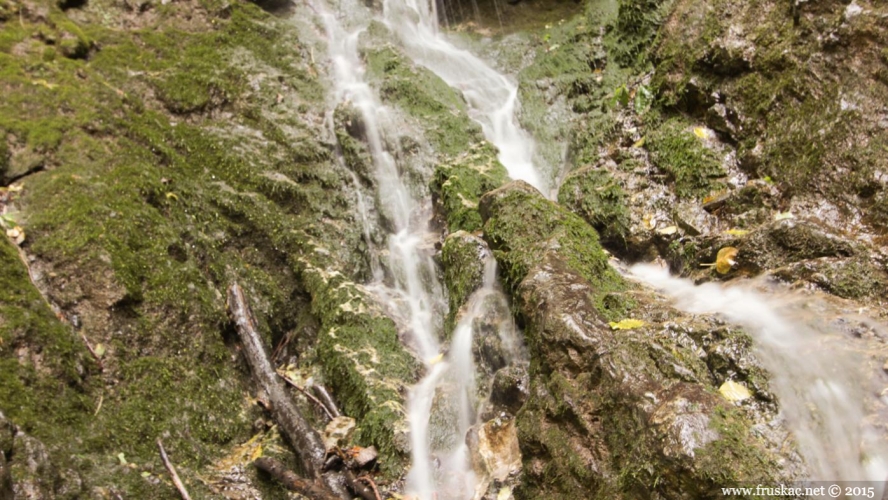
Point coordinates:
[[606, 416]]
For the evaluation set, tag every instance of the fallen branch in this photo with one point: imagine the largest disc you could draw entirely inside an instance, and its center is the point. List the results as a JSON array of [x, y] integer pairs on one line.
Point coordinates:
[[369, 480], [309, 396], [291, 481], [172, 470], [301, 436], [325, 397]]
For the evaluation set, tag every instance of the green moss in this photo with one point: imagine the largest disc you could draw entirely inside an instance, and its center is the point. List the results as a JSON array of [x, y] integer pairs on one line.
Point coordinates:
[[596, 196], [636, 27], [521, 226], [424, 96], [457, 185], [694, 169], [735, 446], [462, 259]]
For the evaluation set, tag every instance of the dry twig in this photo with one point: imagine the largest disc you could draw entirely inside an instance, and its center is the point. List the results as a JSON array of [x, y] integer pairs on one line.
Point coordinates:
[[172, 470], [309, 396]]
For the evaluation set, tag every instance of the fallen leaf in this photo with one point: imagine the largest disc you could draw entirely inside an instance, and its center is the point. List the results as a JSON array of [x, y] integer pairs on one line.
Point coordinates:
[[44, 83], [16, 234], [737, 232], [701, 132], [172, 196], [725, 259], [257, 452], [639, 143], [99, 350], [668, 230], [733, 392], [437, 359], [122, 458], [626, 324], [784, 216]]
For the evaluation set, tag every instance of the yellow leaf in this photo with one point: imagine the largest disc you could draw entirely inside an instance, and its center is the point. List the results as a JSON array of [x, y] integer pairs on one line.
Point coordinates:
[[668, 230], [16, 234], [733, 392], [725, 259], [701, 132], [172, 196], [257, 452], [44, 83], [639, 143], [783, 216], [737, 232], [627, 324], [437, 359], [100, 350]]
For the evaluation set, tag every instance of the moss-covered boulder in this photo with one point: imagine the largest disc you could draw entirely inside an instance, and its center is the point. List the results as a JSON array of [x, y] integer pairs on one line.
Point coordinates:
[[596, 196], [459, 183], [613, 412]]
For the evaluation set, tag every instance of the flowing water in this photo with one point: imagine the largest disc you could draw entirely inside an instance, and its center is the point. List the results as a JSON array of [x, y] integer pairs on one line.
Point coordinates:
[[825, 393], [491, 96], [819, 374], [443, 405]]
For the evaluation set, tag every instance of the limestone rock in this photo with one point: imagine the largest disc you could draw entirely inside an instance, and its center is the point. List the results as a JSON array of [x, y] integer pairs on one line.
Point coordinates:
[[338, 432]]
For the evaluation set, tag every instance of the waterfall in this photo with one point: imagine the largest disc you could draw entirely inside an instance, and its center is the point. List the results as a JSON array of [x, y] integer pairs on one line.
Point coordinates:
[[492, 98], [817, 374], [443, 405]]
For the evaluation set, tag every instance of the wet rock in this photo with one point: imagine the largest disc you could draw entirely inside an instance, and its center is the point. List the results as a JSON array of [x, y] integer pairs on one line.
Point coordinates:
[[33, 475], [496, 455], [338, 432], [639, 401], [459, 184], [462, 255], [510, 388], [491, 352]]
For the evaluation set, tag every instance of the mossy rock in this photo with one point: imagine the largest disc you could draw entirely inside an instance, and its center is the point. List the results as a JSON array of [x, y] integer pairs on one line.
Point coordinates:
[[423, 95], [694, 169], [597, 197], [462, 257], [458, 185], [520, 226]]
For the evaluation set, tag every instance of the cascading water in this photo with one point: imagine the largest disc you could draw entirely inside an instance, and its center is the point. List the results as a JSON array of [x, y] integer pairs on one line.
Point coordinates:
[[440, 467], [816, 374], [491, 97]]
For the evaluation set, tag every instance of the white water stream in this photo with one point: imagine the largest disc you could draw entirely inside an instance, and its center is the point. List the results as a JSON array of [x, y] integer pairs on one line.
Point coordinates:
[[822, 392], [818, 374], [406, 281], [491, 96]]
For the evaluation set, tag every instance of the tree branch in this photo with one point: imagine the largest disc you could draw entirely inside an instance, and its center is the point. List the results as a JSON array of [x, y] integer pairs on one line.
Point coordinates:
[[301, 436]]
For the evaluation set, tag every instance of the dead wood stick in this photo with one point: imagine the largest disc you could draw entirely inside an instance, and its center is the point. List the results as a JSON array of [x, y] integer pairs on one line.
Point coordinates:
[[309, 396], [322, 394], [292, 481], [369, 480], [301, 436], [172, 470], [362, 491]]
